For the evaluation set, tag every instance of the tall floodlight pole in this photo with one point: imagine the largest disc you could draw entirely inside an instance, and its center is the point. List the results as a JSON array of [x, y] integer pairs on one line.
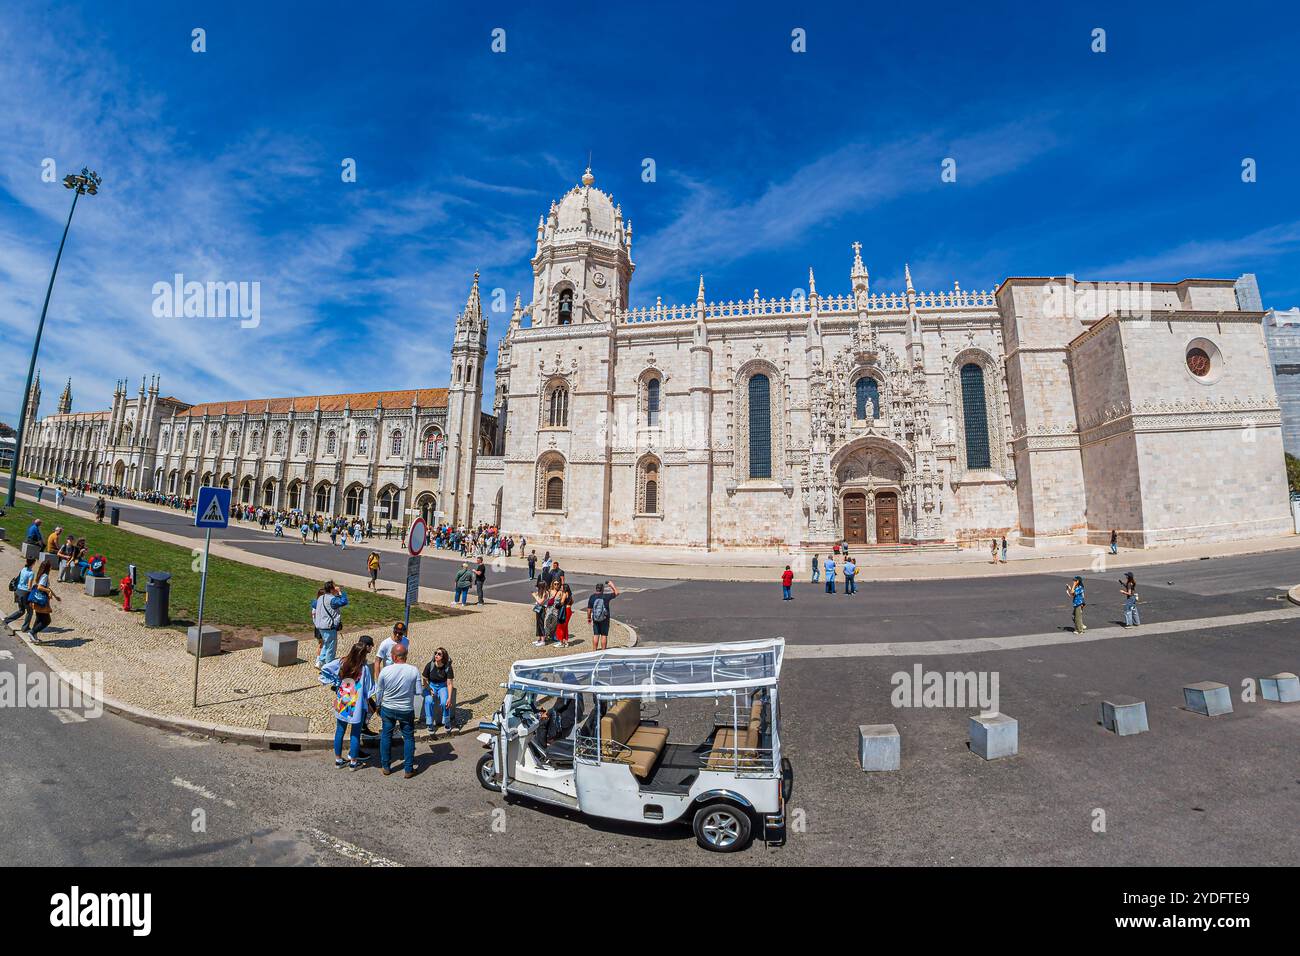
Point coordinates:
[[87, 181]]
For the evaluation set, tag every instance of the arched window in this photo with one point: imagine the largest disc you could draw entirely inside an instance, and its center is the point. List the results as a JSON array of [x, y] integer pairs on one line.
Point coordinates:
[[566, 307], [648, 493], [214, 440], [234, 440], [432, 444], [195, 443], [352, 501], [302, 442], [868, 398], [557, 409], [295, 495], [323, 497], [760, 427], [162, 440], [397, 441], [363, 443], [550, 482], [331, 442], [975, 416], [388, 503], [255, 442], [277, 442], [246, 491], [652, 402]]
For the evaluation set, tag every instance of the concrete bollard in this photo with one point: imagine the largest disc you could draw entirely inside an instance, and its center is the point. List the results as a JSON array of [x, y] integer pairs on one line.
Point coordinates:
[[1124, 719], [211, 641], [993, 736], [879, 747], [279, 650], [1208, 698], [98, 587], [1283, 688], [50, 556], [4, 534], [30, 550]]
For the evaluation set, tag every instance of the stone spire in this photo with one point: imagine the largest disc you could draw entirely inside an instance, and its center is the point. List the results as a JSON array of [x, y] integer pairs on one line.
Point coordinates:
[[65, 400], [915, 342], [473, 305], [701, 333], [859, 276], [812, 283]]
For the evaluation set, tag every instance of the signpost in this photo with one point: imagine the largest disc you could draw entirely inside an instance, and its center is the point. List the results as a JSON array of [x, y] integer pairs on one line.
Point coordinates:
[[414, 545], [212, 510]]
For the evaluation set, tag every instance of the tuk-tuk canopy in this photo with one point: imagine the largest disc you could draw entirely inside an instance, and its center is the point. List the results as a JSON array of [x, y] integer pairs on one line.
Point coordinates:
[[687, 670]]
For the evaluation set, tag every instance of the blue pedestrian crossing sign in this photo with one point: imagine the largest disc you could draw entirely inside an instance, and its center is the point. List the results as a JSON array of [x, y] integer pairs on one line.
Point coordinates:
[[213, 508]]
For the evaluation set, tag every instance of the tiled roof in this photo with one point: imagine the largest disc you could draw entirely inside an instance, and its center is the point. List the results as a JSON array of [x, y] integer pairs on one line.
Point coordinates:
[[77, 416], [358, 401]]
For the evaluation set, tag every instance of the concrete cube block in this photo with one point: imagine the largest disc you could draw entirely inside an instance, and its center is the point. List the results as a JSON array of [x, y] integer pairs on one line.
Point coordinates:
[[98, 587], [50, 556], [4, 534], [993, 736], [1283, 688], [879, 747], [1208, 698], [1124, 718], [30, 550], [211, 644], [279, 650]]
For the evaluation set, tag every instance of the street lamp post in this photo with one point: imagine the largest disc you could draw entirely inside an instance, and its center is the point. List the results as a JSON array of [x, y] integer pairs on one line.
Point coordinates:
[[87, 181]]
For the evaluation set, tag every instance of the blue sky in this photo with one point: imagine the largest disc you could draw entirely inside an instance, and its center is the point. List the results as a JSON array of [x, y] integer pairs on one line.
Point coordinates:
[[225, 165]]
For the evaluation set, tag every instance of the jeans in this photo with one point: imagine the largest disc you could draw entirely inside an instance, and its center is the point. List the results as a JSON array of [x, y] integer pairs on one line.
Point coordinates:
[[816, 575], [354, 745], [23, 609], [462, 596], [1114, 548], [830, 584], [1131, 615], [406, 718], [851, 585], [785, 593], [439, 693], [329, 641], [478, 590], [41, 623]]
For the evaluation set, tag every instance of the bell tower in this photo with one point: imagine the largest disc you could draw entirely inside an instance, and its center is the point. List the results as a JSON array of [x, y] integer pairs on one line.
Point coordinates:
[[464, 411], [582, 267]]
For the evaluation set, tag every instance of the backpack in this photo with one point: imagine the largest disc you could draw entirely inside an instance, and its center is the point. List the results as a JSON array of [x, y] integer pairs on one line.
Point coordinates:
[[13, 583], [552, 619], [600, 611]]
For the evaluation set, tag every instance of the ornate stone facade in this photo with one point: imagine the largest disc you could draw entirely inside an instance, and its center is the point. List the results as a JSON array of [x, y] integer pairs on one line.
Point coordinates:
[[916, 418]]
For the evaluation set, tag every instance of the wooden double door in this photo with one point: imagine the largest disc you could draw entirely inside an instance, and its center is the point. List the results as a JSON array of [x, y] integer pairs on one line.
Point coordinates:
[[855, 518]]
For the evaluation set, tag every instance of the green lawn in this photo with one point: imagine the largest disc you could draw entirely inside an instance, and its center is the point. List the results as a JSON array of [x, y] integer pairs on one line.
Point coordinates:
[[238, 594]]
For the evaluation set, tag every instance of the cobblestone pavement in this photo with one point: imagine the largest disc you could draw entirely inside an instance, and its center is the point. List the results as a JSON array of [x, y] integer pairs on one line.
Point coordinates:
[[150, 669]]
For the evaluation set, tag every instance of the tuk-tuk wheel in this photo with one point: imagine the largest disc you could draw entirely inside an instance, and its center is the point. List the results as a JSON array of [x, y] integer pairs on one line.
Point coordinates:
[[486, 773], [722, 827]]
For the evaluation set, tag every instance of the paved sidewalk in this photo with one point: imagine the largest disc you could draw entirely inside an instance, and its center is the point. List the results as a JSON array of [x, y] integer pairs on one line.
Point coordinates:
[[148, 671]]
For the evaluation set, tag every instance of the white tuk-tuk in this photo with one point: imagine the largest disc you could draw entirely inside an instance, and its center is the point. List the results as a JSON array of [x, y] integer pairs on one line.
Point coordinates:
[[590, 732]]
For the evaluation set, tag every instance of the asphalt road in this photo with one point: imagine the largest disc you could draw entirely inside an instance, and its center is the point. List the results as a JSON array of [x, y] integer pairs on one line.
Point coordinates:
[[1192, 791]]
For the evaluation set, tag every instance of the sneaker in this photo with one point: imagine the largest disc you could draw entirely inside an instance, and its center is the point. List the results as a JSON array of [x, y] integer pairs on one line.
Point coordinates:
[[539, 643], [387, 772], [355, 765], [339, 762], [408, 775]]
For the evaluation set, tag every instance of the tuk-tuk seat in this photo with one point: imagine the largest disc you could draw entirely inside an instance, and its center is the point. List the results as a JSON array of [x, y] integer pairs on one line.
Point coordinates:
[[728, 740], [624, 739]]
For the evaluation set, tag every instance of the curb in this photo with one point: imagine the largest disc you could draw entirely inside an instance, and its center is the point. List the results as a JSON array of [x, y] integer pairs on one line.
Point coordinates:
[[222, 733], [1293, 595]]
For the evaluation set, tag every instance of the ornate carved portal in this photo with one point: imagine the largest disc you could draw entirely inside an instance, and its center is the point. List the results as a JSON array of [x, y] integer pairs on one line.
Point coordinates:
[[855, 518], [887, 518]]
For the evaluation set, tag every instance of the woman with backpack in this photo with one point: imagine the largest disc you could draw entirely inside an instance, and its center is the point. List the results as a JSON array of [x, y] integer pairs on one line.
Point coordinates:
[[353, 685], [327, 617], [22, 586], [39, 600], [566, 613], [550, 615]]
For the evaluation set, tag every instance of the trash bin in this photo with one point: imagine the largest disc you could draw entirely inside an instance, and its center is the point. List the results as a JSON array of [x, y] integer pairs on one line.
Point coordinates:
[[113, 514], [157, 593]]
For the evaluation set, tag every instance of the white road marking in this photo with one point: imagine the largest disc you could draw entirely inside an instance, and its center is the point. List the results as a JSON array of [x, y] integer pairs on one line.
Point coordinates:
[[67, 716], [350, 850], [979, 645], [6, 655], [201, 791]]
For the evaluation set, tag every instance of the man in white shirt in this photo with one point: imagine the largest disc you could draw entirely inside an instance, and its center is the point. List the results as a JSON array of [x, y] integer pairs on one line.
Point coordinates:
[[396, 690]]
